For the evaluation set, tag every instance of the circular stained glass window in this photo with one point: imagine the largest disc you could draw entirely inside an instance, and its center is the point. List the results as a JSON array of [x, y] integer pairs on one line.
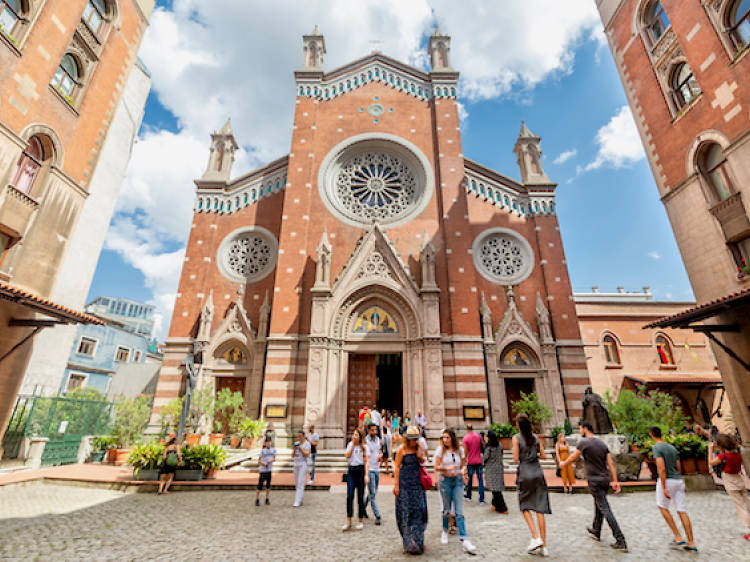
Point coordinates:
[[503, 256], [247, 255]]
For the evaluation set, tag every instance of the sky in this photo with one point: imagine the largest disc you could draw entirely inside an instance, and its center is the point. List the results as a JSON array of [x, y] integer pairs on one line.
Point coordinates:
[[542, 61]]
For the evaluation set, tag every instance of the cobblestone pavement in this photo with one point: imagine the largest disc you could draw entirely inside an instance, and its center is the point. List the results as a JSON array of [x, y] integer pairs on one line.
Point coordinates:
[[226, 525]]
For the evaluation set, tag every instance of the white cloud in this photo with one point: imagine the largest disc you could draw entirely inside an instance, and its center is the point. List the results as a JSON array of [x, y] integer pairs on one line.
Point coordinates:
[[619, 144], [565, 156], [213, 60], [654, 255]]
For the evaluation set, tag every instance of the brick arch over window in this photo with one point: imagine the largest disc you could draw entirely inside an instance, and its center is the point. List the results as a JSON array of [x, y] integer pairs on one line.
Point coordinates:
[[640, 19], [50, 140], [664, 348], [710, 136], [605, 337]]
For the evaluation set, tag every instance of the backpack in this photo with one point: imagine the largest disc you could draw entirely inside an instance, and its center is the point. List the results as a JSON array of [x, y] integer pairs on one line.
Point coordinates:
[[172, 459]]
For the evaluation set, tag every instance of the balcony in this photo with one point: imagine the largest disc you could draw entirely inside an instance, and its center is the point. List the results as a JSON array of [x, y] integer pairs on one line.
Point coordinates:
[[16, 210], [732, 217]]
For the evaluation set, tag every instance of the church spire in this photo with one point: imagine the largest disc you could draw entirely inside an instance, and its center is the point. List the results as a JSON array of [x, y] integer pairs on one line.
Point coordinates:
[[440, 48], [528, 151], [313, 48], [221, 156]]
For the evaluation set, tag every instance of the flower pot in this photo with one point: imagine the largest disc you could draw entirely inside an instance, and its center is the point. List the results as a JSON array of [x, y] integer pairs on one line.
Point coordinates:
[[96, 456], [215, 438], [506, 442], [111, 455], [248, 442], [120, 456], [651, 464], [688, 466], [193, 439], [234, 442], [635, 448], [147, 475], [210, 474], [702, 466], [188, 475]]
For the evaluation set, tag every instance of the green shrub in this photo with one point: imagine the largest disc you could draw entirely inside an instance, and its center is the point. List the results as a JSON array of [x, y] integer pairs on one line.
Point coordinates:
[[251, 428], [504, 431], [557, 430], [146, 456], [169, 418], [530, 405], [131, 416], [228, 406], [568, 427], [633, 413]]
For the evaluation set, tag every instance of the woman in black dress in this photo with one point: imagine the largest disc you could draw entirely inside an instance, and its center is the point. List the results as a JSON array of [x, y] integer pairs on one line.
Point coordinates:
[[411, 501], [168, 465], [532, 487]]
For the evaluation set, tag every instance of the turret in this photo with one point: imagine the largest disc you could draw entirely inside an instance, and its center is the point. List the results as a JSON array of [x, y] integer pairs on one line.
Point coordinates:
[[313, 48], [221, 157], [529, 157], [440, 48]]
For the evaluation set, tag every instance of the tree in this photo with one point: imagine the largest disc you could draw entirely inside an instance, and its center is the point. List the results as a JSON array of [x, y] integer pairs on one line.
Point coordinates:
[[530, 405], [633, 413]]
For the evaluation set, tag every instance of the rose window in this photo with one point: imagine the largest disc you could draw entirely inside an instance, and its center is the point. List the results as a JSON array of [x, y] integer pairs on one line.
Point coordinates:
[[247, 255], [503, 256], [376, 187]]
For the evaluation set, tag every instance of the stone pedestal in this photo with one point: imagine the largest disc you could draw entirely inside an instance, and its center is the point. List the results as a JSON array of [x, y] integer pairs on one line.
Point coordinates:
[[36, 450], [618, 444], [84, 450]]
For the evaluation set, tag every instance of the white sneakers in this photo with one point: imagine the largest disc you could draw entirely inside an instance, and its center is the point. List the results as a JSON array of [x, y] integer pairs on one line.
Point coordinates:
[[309, 482], [444, 538], [534, 545], [359, 526], [468, 547], [346, 527], [543, 551]]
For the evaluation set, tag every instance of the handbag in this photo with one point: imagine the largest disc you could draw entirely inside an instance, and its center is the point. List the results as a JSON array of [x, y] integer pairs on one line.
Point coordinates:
[[425, 478]]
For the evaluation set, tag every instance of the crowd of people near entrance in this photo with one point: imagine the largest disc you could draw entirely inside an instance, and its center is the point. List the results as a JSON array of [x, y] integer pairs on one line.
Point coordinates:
[[382, 436]]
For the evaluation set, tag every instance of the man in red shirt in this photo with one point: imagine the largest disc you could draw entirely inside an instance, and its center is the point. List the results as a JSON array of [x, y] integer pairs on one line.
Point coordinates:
[[473, 448]]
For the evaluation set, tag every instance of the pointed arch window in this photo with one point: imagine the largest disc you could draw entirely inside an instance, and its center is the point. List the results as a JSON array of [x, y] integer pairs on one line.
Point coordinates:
[[739, 23], [714, 168], [95, 14], [28, 165], [657, 21], [611, 351], [684, 85], [664, 350], [67, 76]]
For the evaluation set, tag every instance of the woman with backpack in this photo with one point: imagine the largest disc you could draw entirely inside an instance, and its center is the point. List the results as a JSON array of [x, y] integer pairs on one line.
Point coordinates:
[[171, 458]]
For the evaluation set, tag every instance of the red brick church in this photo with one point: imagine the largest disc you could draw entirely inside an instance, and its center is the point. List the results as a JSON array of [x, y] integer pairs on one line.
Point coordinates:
[[376, 264]]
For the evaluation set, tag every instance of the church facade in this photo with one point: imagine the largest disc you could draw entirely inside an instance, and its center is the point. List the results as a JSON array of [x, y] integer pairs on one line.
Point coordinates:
[[375, 264]]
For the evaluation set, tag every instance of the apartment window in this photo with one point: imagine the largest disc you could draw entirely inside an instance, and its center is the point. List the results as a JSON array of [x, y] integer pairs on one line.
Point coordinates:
[[137, 356], [76, 380], [741, 252], [611, 353], [657, 21], [87, 346], [28, 165], [10, 15], [664, 350], [714, 168], [684, 85], [122, 354], [67, 76], [739, 23], [95, 14]]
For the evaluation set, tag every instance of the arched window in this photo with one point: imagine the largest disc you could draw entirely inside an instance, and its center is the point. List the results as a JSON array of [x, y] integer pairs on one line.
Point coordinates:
[[684, 85], [67, 75], [611, 353], [28, 165], [10, 15], [739, 23], [657, 21], [713, 166], [95, 14], [664, 350]]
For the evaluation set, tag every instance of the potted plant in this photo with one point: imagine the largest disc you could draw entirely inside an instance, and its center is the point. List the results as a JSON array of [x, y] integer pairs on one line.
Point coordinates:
[[169, 417], [633, 413], [202, 402], [131, 416], [504, 432], [191, 468], [211, 458], [145, 460], [646, 449], [250, 430], [99, 446], [530, 405], [227, 406]]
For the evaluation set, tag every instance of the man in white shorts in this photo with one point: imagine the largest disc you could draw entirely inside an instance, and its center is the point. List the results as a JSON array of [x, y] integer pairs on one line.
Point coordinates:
[[670, 487]]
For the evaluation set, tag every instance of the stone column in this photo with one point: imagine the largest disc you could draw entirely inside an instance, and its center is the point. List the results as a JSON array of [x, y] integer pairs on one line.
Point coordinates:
[[36, 450]]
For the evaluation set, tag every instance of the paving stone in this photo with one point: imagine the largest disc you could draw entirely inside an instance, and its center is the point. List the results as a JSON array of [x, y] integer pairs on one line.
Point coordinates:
[[50, 522]]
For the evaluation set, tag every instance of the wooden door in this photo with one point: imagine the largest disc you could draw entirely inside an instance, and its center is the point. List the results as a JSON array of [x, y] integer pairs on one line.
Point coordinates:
[[362, 389], [513, 389], [234, 384]]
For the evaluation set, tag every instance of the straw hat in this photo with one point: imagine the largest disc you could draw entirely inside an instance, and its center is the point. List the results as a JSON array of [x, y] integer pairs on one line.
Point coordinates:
[[412, 433]]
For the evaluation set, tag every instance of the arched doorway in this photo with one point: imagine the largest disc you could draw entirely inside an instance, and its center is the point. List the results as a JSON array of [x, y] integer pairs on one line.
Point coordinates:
[[519, 368]]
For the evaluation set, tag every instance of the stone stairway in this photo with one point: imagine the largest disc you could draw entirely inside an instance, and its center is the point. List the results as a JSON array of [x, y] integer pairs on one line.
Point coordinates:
[[332, 460]]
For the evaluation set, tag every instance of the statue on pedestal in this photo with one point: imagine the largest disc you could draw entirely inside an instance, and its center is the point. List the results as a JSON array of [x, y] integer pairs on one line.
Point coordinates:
[[595, 412]]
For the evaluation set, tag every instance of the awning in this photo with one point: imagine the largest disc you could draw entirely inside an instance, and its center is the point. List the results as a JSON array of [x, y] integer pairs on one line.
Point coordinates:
[[698, 378], [57, 311], [703, 311]]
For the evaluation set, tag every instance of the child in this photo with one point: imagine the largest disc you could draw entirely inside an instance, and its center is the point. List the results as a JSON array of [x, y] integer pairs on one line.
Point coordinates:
[[265, 463]]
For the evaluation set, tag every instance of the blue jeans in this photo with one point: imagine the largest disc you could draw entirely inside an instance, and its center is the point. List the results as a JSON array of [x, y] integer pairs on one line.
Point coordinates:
[[372, 490], [475, 469], [451, 489], [312, 472]]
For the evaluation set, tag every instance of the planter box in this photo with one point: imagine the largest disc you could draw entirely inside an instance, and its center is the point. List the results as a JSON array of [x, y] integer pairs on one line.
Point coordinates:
[[146, 475], [215, 438], [702, 465], [96, 456], [688, 466], [193, 439], [186, 475], [118, 457]]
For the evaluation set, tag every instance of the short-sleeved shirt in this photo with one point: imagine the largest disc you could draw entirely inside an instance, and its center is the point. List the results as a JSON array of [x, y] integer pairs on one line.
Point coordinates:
[[450, 461], [732, 462], [595, 453], [373, 451], [357, 457], [266, 459], [669, 454], [473, 445], [421, 420], [375, 417], [299, 458], [313, 437]]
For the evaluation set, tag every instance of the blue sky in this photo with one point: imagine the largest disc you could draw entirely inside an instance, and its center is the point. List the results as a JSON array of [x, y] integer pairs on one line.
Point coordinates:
[[614, 227]]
